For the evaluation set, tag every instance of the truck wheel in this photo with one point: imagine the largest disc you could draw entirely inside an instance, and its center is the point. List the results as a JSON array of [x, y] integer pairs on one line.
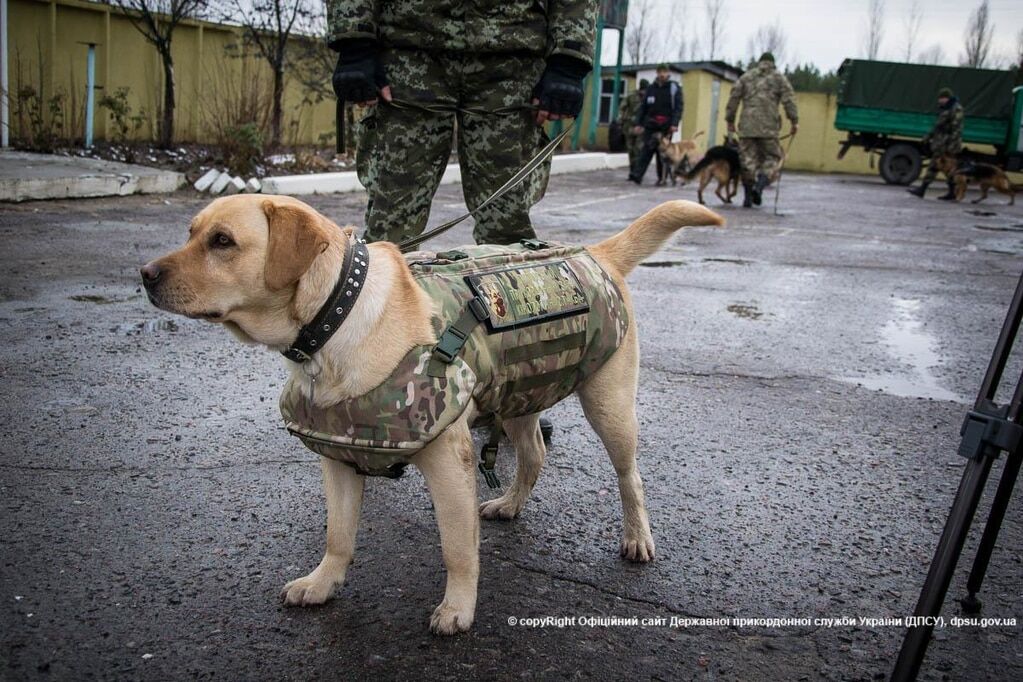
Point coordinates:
[[900, 164]]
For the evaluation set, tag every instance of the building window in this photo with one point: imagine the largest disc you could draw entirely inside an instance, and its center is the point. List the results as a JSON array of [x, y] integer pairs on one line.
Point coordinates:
[[607, 88]]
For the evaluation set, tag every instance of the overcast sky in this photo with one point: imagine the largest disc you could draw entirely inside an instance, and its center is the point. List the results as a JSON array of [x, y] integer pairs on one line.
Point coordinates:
[[826, 31]]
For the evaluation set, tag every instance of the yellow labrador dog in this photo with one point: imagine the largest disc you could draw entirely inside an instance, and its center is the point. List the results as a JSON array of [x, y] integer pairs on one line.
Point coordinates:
[[263, 266]]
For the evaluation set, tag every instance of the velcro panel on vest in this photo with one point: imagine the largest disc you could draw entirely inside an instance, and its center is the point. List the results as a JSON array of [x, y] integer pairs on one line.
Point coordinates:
[[387, 424]]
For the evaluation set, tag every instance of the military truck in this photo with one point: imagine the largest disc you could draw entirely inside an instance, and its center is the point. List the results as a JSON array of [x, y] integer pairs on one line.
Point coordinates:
[[887, 108]]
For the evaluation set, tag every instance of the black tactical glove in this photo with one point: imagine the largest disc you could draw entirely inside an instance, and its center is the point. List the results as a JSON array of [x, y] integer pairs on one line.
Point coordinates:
[[358, 74], [560, 89]]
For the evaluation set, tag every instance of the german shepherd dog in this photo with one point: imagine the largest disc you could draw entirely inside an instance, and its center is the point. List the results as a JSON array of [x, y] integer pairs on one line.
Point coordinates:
[[987, 177], [720, 163], [676, 158]]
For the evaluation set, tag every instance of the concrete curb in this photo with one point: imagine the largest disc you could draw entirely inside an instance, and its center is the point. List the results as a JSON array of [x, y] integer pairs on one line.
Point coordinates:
[[25, 176], [331, 183]]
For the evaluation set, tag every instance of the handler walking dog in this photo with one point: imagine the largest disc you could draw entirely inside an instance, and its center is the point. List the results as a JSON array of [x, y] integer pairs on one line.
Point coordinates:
[[390, 366]]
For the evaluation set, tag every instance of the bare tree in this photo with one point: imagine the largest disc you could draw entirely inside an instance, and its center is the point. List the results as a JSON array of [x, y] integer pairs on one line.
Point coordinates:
[[977, 37], [676, 35], [875, 29], [934, 54], [914, 18], [715, 26], [1019, 49], [640, 32], [156, 21], [268, 27], [768, 38]]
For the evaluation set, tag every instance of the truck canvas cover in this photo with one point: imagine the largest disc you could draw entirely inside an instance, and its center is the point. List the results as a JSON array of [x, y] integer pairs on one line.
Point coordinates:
[[913, 88]]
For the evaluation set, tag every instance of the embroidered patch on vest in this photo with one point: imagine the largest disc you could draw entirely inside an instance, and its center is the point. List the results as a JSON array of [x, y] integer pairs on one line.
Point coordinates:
[[521, 296]]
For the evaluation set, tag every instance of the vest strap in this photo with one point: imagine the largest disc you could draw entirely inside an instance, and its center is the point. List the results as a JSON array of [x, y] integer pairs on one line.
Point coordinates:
[[540, 349], [453, 339], [488, 455]]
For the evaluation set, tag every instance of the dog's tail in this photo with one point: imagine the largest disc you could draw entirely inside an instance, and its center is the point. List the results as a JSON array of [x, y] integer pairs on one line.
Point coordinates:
[[700, 165], [628, 248], [696, 135]]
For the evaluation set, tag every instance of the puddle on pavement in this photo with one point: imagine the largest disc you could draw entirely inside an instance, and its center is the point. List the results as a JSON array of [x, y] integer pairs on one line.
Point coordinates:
[[95, 298], [981, 212], [733, 261], [1016, 227], [745, 310], [147, 327], [909, 344], [662, 263], [679, 263]]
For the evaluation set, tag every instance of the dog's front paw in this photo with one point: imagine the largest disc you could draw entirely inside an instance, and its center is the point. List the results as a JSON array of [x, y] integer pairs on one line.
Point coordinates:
[[308, 591], [506, 507], [640, 550], [449, 619]]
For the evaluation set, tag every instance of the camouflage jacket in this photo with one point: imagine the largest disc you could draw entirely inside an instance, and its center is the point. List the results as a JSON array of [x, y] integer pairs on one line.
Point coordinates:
[[946, 137], [535, 27], [761, 90], [628, 108], [555, 316]]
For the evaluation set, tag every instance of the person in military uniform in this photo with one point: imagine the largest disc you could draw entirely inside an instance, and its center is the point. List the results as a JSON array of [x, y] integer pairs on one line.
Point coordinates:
[[659, 114], [493, 73], [945, 141], [760, 90], [627, 115]]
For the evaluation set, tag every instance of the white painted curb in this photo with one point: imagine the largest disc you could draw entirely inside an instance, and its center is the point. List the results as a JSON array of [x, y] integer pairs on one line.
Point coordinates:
[[330, 183], [234, 186], [203, 183]]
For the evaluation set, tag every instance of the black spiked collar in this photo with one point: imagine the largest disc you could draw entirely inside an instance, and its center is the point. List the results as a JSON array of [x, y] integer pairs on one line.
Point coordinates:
[[339, 304]]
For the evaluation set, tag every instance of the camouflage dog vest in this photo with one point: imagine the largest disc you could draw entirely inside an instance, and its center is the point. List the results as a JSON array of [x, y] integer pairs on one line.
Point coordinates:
[[518, 327]]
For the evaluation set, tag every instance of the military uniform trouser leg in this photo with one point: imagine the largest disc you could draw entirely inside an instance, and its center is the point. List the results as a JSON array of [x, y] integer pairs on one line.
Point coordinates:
[[403, 149], [648, 150], [759, 155], [633, 143]]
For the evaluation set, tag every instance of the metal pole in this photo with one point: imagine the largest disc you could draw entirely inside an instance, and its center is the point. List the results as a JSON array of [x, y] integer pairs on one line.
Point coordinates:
[[5, 112], [90, 93], [595, 87], [618, 75], [994, 524]]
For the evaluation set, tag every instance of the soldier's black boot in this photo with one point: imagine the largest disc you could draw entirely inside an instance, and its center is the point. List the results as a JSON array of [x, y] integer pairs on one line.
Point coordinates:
[[747, 196], [950, 194], [758, 189], [546, 429], [919, 191]]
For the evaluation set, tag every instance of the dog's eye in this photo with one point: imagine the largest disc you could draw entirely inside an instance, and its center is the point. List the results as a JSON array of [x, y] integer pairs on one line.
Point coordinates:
[[221, 240]]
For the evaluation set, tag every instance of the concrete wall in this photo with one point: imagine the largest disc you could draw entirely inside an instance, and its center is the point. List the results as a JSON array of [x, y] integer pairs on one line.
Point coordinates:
[[47, 53]]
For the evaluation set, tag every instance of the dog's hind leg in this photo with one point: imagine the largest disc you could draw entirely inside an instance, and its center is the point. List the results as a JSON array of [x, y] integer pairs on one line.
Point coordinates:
[[343, 489], [447, 464], [524, 433], [609, 403]]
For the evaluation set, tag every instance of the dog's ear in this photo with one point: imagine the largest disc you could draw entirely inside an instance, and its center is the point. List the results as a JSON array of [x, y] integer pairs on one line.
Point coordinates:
[[297, 236]]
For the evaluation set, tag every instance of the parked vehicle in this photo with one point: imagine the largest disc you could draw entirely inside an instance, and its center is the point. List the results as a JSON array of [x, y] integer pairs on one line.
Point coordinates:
[[887, 108]]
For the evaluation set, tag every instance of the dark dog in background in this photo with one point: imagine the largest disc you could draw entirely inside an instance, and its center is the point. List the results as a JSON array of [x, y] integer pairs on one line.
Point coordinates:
[[988, 177], [720, 163]]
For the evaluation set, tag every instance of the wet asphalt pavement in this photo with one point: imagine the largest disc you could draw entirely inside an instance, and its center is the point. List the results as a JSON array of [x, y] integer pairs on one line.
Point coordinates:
[[803, 380]]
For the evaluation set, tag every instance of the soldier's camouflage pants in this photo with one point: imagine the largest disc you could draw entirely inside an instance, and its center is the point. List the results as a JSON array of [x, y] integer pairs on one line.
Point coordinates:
[[403, 148], [633, 145], [759, 155]]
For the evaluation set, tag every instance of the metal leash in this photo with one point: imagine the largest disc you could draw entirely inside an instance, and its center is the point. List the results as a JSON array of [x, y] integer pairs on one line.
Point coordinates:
[[777, 185]]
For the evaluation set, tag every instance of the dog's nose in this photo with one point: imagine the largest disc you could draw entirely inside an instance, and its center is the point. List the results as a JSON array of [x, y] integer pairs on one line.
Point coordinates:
[[150, 273]]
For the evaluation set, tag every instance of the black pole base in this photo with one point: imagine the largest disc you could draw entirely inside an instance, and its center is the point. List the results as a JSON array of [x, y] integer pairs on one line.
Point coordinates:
[[971, 604]]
